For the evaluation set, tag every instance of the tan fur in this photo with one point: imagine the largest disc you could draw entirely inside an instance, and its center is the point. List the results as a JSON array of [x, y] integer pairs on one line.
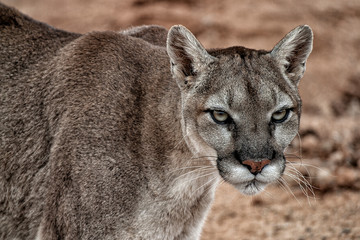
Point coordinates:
[[110, 135]]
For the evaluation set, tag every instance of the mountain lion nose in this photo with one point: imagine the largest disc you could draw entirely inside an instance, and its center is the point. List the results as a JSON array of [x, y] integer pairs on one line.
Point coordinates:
[[256, 167]]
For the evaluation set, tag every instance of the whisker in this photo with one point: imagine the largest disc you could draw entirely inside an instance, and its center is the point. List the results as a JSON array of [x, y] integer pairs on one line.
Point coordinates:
[[268, 194], [199, 161], [304, 185], [294, 169], [292, 166], [205, 156], [282, 186], [296, 175], [203, 160], [292, 156], [218, 183], [222, 181], [212, 159], [303, 179], [208, 173], [282, 182], [300, 178], [312, 166], [198, 167], [193, 171], [204, 185]]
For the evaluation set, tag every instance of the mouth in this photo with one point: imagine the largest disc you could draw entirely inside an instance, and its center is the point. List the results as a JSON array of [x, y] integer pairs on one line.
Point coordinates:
[[245, 181]]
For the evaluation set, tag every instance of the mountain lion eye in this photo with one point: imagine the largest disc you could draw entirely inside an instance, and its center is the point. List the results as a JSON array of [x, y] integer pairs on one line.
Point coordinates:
[[219, 117], [280, 116]]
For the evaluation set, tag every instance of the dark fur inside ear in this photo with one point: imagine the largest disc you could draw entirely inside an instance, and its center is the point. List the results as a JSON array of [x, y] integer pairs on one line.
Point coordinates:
[[183, 61], [292, 52], [186, 53]]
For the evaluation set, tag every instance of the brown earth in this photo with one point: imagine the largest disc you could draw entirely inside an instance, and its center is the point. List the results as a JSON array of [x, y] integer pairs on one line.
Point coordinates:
[[330, 131]]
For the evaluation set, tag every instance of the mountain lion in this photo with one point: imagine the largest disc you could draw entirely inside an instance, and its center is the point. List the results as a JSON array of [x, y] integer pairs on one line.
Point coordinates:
[[125, 135]]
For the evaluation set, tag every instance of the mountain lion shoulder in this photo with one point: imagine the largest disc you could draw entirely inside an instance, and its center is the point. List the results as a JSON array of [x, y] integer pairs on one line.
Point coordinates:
[[125, 135]]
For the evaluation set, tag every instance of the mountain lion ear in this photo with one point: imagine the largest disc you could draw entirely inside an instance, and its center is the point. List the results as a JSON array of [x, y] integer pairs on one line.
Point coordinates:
[[292, 52], [187, 55]]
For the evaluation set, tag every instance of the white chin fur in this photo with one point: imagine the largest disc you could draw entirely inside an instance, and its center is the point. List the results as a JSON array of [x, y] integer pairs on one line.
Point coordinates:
[[251, 188], [246, 182]]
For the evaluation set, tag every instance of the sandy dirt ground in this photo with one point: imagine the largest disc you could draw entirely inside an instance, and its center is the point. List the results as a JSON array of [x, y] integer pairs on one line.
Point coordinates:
[[330, 132]]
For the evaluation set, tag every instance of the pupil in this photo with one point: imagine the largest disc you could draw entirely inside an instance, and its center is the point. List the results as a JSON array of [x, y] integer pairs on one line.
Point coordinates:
[[220, 114]]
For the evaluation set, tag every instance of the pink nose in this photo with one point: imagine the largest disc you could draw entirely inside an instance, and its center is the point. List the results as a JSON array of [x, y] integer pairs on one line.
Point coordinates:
[[256, 167]]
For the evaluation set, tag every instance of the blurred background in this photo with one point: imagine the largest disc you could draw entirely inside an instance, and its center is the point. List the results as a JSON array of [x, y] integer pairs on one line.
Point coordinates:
[[327, 152]]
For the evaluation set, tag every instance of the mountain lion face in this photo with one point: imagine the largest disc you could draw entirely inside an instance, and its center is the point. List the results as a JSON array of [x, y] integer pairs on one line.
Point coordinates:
[[240, 106]]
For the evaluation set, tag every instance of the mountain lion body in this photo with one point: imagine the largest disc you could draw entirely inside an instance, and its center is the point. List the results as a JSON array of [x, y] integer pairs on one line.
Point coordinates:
[[125, 135]]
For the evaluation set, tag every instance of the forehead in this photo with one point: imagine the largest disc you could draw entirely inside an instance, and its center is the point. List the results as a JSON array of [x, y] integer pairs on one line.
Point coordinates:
[[245, 78]]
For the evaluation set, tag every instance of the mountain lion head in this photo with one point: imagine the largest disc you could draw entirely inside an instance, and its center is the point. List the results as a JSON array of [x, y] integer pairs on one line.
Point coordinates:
[[240, 106]]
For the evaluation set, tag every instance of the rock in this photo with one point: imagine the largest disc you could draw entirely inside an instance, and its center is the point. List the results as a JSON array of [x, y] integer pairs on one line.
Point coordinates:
[[347, 177], [337, 157]]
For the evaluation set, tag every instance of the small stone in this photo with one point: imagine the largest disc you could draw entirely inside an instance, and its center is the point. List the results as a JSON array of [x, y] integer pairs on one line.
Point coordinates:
[[346, 231], [346, 177]]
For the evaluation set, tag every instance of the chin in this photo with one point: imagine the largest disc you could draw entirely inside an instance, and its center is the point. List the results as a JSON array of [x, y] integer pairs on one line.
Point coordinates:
[[251, 188]]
